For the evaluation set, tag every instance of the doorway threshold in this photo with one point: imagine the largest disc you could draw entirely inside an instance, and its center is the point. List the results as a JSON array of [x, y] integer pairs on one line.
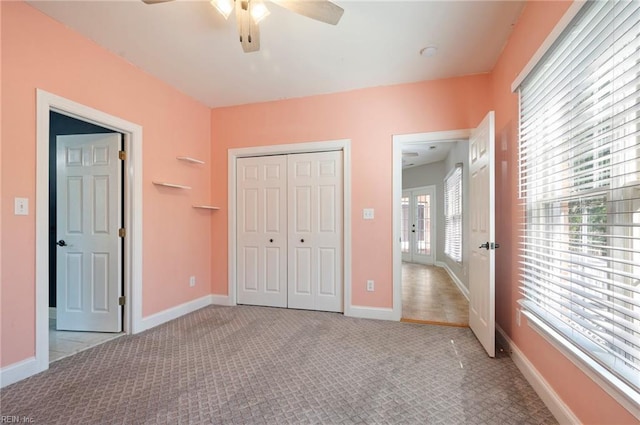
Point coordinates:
[[67, 343], [433, 322]]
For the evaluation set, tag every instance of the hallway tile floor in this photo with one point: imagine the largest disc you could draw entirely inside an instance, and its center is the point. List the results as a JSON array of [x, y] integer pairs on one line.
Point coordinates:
[[66, 343]]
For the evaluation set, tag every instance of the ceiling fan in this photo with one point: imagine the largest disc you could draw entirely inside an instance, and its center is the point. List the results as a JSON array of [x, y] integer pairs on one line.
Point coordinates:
[[250, 12]]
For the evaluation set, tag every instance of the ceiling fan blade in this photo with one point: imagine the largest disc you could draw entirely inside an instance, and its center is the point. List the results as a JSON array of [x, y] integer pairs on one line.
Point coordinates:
[[248, 30], [155, 1], [320, 10]]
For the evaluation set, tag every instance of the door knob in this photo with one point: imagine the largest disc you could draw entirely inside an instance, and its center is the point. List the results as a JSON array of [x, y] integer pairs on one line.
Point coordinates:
[[271, 240], [484, 245], [61, 242], [302, 240]]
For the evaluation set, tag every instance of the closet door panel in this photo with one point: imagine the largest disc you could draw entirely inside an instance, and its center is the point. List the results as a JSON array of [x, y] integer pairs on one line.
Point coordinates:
[[262, 231], [315, 229]]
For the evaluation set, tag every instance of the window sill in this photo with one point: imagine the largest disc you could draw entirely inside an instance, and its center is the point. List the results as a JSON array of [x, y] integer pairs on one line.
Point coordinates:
[[611, 384]]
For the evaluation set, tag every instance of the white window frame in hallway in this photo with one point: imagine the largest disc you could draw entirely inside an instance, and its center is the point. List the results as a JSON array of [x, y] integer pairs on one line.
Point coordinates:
[[453, 218]]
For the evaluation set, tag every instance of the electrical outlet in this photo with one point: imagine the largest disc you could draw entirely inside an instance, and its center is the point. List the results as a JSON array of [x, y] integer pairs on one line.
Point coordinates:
[[518, 314], [370, 285], [192, 281]]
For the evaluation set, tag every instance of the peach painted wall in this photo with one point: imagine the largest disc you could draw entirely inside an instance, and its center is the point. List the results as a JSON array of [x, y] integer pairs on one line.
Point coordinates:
[[587, 401], [38, 52], [369, 117]]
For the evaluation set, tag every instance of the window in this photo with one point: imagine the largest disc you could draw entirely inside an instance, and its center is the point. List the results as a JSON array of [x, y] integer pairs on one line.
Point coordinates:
[[580, 184], [453, 214]]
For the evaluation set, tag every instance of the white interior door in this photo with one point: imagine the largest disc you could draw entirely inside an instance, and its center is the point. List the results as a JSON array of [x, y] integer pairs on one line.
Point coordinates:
[[315, 231], [89, 274], [482, 238], [418, 225], [262, 231]]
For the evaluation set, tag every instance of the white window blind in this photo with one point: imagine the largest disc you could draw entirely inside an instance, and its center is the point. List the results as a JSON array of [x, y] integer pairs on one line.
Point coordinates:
[[580, 184], [453, 214]]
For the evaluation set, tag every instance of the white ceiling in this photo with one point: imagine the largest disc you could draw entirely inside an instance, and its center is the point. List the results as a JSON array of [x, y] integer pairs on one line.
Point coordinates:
[[191, 47], [422, 153]]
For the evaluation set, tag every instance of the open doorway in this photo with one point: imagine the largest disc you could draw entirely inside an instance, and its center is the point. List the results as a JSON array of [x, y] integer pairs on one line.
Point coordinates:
[[86, 209], [132, 218], [434, 282]]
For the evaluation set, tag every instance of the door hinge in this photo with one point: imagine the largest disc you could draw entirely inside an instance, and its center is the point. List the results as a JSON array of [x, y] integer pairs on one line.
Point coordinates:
[[122, 155], [122, 232], [122, 300]]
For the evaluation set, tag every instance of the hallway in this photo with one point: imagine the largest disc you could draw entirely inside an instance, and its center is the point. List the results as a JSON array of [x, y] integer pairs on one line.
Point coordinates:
[[430, 296]]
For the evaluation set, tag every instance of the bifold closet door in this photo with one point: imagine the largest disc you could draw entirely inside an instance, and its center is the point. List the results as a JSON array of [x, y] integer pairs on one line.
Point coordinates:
[[262, 231], [315, 231]]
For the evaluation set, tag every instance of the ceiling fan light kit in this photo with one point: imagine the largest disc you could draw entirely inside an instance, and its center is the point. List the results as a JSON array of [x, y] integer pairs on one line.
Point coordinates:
[[258, 11], [224, 7], [250, 12]]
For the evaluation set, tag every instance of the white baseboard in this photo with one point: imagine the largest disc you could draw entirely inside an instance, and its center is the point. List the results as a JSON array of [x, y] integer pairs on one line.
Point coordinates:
[[221, 300], [554, 403], [52, 313], [371, 313], [18, 371], [175, 312], [456, 280]]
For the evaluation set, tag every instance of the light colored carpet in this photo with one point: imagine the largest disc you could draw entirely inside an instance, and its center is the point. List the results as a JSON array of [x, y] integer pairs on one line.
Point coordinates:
[[256, 365]]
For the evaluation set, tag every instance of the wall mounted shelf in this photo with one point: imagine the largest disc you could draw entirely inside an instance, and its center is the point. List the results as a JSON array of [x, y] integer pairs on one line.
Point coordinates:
[[206, 207], [189, 159], [173, 185]]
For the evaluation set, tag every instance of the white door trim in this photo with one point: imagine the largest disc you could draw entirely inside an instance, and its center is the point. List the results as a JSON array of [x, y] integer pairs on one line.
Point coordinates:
[[398, 142], [47, 102], [345, 146]]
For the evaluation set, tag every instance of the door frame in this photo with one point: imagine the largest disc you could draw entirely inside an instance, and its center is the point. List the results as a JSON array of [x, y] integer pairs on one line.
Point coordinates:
[[433, 220], [132, 132], [343, 145], [400, 141]]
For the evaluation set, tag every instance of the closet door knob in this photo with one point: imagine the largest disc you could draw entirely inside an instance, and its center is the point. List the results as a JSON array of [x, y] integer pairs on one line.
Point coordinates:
[[302, 240], [271, 240]]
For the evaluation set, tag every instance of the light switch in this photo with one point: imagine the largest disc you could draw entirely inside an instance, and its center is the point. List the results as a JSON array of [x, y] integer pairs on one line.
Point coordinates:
[[21, 206], [367, 213]]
